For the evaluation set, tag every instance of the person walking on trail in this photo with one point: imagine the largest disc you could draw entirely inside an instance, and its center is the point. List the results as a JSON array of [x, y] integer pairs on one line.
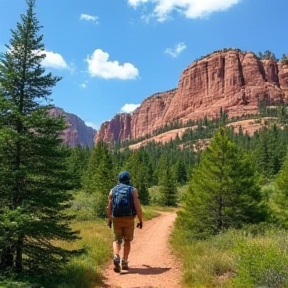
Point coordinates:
[[123, 206]]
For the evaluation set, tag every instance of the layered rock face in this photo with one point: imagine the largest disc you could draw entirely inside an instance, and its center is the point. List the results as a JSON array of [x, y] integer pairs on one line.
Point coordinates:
[[232, 80], [145, 119], [119, 128], [149, 116], [76, 133]]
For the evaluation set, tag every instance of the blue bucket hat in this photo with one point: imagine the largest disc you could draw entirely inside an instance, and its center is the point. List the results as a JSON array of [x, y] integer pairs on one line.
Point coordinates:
[[124, 177]]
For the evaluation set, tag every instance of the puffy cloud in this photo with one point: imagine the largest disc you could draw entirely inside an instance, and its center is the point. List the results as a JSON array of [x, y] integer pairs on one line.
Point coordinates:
[[83, 85], [93, 125], [54, 60], [100, 66], [89, 17], [190, 8], [129, 108], [174, 52]]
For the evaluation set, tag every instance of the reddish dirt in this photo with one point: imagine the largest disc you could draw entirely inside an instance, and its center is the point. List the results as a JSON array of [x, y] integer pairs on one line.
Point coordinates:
[[152, 265]]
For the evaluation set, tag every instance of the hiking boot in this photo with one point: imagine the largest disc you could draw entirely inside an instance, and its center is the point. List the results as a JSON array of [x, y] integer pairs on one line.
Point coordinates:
[[124, 264], [116, 262]]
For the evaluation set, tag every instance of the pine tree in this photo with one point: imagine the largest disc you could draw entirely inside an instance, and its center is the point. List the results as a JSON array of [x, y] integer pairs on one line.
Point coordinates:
[[168, 189], [33, 177], [92, 166], [77, 164], [180, 171], [223, 191], [104, 179], [138, 166], [267, 55], [279, 198]]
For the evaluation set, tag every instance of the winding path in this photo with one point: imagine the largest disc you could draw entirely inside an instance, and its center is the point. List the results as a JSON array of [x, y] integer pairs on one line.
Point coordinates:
[[151, 263]]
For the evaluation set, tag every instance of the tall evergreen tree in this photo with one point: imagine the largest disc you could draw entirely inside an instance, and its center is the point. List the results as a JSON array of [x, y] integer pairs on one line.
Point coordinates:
[[138, 166], [179, 169], [223, 191], [104, 179], [279, 198], [92, 166], [100, 177], [33, 177], [77, 164], [167, 181]]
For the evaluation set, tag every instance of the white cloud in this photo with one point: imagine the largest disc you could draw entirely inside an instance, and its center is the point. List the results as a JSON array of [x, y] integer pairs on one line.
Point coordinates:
[[89, 17], [174, 52], [83, 85], [146, 18], [93, 125], [190, 8], [54, 60], [129, 108], [100, 66]]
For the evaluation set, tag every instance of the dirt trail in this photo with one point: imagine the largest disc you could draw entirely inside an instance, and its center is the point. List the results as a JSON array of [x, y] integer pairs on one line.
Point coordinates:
[[151, 263]]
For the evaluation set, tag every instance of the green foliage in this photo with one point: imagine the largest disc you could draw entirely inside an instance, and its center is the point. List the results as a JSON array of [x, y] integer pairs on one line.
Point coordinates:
[[94, 160], [82, 206], [267, 55], [263, 261], [179, 169], [168, 189], [223, 191], [254, 256], [284, 59], [270, 152], [140, 170], [100, 177], [77, 164], [33, 172], [279, 197]]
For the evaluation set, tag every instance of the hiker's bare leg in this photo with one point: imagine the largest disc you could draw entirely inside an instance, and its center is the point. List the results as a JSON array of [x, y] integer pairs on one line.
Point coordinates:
[[127, 247], [116, 248]]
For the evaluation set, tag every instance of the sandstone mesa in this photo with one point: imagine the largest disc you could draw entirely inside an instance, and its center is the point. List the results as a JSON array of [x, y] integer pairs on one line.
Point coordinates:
[[231, 79]]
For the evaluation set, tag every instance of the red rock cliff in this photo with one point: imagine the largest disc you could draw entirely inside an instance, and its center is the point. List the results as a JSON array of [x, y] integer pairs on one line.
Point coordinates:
[[145, 119], [76, 133], [119, 128], [231, 79]]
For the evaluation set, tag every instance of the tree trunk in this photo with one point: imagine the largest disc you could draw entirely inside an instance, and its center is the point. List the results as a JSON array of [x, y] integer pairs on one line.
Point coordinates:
[[220, 216], [6, 258]]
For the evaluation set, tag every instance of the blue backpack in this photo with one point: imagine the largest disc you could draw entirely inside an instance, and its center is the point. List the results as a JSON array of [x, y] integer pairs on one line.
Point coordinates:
[[122, 201]]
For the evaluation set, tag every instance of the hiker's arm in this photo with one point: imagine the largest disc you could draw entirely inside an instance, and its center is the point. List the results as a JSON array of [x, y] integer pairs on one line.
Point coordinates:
[[137, 204], [109, 205]]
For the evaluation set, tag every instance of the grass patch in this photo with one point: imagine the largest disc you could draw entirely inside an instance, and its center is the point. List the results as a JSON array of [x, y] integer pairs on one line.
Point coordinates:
[[84, 270], [235, 259]]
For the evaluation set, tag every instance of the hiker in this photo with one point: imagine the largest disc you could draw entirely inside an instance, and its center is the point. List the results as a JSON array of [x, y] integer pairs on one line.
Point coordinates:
[[123, 206]]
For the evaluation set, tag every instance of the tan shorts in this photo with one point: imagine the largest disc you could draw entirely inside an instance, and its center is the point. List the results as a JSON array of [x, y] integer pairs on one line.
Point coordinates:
[[123, 228]]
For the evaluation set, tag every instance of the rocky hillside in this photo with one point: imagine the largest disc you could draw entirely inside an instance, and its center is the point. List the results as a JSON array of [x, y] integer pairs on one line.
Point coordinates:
[[76, 133], [233, 80]]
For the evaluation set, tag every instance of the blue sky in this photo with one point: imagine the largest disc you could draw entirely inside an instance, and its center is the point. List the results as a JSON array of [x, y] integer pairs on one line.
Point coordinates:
[[112, 54]]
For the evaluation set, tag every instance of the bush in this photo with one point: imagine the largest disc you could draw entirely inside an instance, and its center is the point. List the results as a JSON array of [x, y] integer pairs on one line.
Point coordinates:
[[263, 261], [83, 206], [254, 256]]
